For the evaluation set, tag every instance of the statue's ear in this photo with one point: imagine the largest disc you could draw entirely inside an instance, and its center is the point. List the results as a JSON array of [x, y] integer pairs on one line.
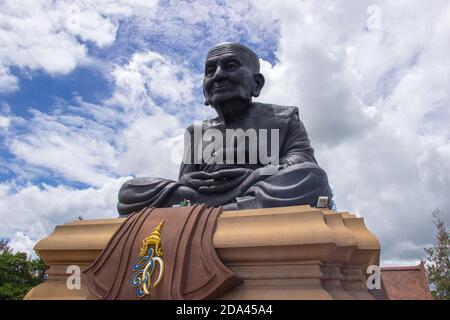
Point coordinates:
[[259, 81]]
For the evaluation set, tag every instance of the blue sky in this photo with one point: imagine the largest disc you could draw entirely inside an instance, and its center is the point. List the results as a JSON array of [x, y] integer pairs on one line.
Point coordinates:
[[93, 93]]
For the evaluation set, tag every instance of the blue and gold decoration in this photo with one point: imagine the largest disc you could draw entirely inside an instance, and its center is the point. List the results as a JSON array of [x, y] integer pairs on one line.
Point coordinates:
[[149, 254]]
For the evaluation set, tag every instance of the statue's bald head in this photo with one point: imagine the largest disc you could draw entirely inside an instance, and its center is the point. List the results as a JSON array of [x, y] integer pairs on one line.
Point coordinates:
[[250, 57], [231, 74]]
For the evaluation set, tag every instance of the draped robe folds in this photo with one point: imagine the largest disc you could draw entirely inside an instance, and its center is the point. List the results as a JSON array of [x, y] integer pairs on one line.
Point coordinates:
[[298, 181]]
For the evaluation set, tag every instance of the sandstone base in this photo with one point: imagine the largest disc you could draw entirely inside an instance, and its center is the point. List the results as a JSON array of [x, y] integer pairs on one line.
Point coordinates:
[[281, 253]]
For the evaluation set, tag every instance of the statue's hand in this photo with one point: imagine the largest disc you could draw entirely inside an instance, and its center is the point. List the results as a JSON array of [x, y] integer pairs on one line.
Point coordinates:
[[240, 185], [226, 179], [198, 179]]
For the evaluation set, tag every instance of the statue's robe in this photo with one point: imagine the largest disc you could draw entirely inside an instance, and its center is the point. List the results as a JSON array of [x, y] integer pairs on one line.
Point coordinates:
[[299, 181]]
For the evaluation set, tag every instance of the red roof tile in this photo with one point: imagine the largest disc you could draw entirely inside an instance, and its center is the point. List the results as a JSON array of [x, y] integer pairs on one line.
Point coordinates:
[[403, 283]]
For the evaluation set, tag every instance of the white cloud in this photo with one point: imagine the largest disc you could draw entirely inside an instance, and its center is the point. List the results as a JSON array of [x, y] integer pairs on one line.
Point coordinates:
[[51, 35], [90, 26], [149, 74], [187, 29], [7, 81], [34, 210], [80, 153], [87, 145], [4, 122], [22, 243]]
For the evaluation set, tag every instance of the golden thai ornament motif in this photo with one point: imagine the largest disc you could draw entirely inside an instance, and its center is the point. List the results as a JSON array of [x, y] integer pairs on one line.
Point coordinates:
[[149, 255]]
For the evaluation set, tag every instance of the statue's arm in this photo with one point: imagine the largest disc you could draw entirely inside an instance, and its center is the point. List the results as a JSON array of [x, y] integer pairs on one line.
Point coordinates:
[[296, 147]]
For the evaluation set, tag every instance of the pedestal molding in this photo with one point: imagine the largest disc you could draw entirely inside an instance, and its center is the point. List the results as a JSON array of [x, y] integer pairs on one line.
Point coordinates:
[[280, 253]]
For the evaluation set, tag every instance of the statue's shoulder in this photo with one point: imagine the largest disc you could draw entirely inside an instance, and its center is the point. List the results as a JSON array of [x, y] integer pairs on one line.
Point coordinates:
[[201, 125], [274, 110]]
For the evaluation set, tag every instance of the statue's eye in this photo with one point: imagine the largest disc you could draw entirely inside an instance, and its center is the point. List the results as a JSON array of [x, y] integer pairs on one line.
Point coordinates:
[[232, 65], [210, 71]]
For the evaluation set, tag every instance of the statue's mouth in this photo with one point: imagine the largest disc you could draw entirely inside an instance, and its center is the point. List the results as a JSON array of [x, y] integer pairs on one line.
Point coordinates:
[[219, 87]]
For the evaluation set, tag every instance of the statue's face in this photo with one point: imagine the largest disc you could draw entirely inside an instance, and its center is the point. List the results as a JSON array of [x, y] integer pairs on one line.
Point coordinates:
[[228, 76]]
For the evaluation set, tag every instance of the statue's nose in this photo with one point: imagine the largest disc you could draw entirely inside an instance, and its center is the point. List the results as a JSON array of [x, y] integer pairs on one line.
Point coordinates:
[[219, 74]]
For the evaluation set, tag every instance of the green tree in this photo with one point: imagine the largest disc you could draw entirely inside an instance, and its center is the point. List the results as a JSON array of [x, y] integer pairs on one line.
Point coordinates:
[[438, 260], [18, 273]]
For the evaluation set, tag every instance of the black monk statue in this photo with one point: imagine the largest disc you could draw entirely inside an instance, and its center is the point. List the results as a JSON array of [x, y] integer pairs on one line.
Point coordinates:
[[232, 78]]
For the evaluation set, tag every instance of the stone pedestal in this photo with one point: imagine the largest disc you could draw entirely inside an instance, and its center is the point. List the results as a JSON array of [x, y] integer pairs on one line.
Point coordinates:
[[281, 253]]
